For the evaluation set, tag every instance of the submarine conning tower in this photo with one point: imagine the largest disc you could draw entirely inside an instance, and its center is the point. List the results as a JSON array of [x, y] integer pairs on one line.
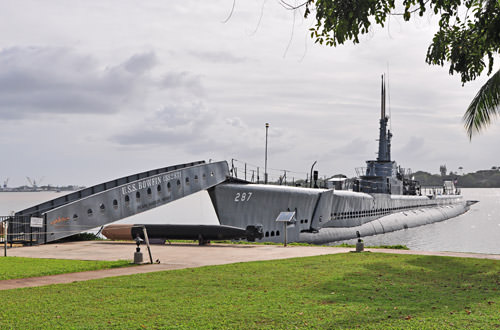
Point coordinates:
[[383, 166], [381, 175]]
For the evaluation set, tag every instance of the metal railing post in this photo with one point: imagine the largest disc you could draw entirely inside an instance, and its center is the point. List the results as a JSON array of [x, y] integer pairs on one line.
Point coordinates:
[[5, 229]]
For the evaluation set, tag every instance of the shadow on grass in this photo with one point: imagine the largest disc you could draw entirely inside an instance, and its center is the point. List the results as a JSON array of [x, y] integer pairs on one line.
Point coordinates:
[[418, 288]]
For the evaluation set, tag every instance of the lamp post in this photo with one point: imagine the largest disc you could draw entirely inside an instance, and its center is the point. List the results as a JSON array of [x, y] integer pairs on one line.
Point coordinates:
[[265, 162]]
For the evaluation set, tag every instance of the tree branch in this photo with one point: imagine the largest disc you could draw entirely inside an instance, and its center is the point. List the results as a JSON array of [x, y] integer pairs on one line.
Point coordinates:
[[411, 11], [230, 13], [288, 6]]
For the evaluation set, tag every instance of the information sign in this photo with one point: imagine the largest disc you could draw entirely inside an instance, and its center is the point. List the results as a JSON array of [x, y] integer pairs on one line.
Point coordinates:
[[36, 222]]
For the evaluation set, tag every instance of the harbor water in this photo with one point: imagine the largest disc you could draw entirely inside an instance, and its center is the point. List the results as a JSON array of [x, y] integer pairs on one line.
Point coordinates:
[[477, 231]]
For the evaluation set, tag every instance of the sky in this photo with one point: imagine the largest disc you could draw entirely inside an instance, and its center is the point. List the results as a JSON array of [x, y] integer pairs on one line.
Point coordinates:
[[95, 90]]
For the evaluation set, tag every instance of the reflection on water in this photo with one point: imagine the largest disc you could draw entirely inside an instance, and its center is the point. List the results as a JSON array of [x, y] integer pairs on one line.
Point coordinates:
[[475, 231]]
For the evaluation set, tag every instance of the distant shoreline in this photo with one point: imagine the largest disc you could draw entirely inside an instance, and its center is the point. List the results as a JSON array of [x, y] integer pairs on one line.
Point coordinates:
[[479, 179]]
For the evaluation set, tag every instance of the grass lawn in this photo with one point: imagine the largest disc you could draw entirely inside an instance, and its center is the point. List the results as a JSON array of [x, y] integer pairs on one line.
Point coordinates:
[[17, 267], [352, 290]]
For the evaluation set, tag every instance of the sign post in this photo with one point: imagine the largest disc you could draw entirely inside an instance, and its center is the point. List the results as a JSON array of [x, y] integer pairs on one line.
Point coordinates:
[[286, 218]]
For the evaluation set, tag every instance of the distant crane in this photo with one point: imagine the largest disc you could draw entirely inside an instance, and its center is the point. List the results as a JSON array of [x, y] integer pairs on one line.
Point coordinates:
[[34, 184]]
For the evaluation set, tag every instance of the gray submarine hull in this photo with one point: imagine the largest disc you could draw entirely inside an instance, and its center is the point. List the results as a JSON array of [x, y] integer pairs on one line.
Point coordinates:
[[386, 224], [327, 215]]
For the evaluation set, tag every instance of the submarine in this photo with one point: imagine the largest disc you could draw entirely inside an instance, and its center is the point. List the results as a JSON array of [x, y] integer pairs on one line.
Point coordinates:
[[383, 198]]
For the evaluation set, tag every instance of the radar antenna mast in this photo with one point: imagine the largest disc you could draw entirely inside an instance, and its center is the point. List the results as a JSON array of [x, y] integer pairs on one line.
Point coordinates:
[[384, 143]]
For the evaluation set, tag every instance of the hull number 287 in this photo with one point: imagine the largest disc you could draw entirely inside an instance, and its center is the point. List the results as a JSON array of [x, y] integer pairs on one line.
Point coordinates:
[[242, 197]]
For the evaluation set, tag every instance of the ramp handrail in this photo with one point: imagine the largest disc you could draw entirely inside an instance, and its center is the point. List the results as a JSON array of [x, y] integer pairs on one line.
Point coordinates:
[[37, 210]]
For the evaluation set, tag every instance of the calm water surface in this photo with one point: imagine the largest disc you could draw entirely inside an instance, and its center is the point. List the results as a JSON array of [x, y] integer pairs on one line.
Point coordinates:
[[475, 231]]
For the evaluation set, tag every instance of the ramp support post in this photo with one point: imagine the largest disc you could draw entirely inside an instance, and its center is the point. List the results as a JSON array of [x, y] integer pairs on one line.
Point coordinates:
[[147, 243]]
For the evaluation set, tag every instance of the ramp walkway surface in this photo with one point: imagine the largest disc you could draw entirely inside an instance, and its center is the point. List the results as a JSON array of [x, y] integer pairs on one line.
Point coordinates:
[[113, 200], [174, 256]]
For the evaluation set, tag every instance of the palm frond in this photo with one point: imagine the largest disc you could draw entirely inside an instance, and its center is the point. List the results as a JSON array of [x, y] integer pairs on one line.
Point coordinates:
[[484, 107]]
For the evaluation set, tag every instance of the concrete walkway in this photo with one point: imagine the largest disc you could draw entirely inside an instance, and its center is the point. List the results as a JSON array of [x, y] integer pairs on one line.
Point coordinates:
[[175, 256]]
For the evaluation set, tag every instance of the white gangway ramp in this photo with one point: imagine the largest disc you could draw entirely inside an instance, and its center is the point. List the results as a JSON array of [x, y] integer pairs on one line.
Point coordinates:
[[117, 199]]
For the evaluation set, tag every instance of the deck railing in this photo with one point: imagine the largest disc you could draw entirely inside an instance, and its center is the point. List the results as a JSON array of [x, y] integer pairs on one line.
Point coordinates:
[[255, 174]]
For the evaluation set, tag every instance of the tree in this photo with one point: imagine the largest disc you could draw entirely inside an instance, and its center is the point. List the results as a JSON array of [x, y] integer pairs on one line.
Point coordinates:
[[442, 170], [468, 39]]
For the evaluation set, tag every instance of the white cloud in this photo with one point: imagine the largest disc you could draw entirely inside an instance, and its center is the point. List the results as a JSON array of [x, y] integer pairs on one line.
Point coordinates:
[[183, 81], [175, 124], [140, 63], [51, 80], [217, 56]]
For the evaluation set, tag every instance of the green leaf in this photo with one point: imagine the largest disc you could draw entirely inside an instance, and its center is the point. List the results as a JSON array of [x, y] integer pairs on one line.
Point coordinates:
[[484, 106]]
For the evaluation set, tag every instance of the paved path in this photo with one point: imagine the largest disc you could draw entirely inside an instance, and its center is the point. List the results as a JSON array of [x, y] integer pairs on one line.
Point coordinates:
[[174, 256]]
